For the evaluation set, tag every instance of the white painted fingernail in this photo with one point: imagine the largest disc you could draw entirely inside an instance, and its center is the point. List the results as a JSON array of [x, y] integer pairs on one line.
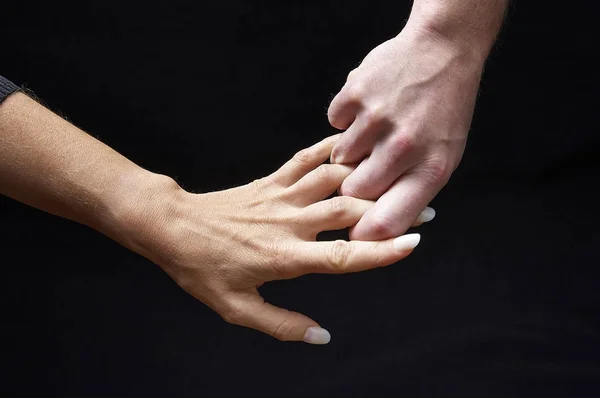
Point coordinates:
[[315, 335], [427, 215], [407, 242]]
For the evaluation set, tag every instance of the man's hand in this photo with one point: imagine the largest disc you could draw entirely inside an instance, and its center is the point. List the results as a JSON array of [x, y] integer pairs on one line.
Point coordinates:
[[406, 111], [221, 246]]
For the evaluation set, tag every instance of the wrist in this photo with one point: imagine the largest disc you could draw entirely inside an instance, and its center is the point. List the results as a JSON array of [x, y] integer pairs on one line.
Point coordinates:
[[471, 33], [140, 206]]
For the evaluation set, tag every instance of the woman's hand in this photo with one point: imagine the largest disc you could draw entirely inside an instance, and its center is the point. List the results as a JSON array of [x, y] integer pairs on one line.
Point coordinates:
[[221, 246], [218, 246]]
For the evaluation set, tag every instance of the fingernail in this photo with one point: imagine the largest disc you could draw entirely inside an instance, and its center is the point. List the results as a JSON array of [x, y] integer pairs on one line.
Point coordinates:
[[336, 157], [315, 335], [426, 215], [407, 242]]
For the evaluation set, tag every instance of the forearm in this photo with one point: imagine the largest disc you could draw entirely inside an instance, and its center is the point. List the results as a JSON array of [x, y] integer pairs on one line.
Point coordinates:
[[473, 24], [50, 164]]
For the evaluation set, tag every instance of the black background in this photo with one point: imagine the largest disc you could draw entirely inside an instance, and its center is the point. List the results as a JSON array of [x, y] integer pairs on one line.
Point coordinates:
[[501, 298]]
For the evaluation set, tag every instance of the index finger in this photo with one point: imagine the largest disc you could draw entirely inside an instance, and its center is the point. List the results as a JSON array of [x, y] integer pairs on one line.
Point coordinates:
[[305, 161]]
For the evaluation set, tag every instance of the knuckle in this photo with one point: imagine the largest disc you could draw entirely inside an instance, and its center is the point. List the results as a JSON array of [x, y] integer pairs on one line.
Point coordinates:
[[355, 91], [403, 143], [302, 157], [339, 255], [437, 170], [351, 75], [338, 206], [283, 331], [383, 226], [332, 140], [374, 115], [323, 173], [233, 312], [281, 258], [263, 182]]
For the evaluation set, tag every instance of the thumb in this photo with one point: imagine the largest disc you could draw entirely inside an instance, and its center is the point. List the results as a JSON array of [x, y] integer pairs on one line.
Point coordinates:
[[253, 312], [343, 108]]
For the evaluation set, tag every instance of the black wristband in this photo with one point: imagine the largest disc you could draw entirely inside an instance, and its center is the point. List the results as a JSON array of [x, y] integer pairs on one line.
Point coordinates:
[[6, 88]]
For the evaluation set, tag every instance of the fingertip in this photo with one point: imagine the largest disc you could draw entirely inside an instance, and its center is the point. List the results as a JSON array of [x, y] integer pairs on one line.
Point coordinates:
[[334, 158], [339, 116], [336, 123], [337, 152], [406, 242], [426, 215], [316, 335], [346, 152], [341, 113], [335, 120]]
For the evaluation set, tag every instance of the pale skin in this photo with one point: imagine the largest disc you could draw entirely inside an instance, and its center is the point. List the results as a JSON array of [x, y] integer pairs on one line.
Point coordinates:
[[407, 108], [220, 247]]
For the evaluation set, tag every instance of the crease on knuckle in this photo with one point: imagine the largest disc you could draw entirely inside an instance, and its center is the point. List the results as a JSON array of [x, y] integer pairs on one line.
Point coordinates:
[[382, 226], [282, 331], [403, 143], [338, 206], [323, 173], [263, 182], [303, 157], [437, 170], [339, 255], [280, 256]]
